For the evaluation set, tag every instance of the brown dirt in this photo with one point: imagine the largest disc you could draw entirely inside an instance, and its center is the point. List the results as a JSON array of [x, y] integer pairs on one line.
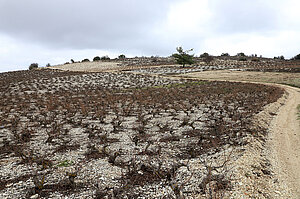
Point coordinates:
[[286, 139]]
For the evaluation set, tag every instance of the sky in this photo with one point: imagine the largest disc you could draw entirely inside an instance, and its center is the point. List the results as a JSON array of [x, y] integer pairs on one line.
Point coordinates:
[[55, 31]]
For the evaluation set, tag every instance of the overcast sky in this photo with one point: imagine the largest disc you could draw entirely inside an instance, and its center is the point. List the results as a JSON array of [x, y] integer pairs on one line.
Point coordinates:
[[55, 31]]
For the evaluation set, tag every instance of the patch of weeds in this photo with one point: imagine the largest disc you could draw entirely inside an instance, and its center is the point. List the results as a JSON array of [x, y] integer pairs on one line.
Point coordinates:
[[65, 163]]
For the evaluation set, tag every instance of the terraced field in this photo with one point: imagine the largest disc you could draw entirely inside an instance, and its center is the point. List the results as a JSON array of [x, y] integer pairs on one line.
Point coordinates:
[[123, 135]]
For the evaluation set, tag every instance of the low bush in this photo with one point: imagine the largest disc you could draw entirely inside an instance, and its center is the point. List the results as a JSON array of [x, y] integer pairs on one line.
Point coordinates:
[[85, 60], [97, 58], [33, 66], [105, 58], [241, 54], [225, 54], [122, 56]]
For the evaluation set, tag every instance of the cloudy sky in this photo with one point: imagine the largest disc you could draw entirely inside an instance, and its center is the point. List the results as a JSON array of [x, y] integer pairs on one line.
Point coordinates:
[[55, 31]]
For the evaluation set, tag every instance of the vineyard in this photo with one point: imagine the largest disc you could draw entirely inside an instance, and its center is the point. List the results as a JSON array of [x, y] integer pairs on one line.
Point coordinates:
[[124, 135]]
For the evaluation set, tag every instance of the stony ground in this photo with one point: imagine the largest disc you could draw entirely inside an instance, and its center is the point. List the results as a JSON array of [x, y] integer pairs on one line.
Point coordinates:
[[122, 135]]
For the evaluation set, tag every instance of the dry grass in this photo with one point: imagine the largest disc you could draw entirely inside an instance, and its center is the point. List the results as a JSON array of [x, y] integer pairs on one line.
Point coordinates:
[[292, 79]]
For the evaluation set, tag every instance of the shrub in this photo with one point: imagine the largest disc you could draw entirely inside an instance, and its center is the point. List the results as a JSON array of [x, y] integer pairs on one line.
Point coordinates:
[[182, 57], [204, 55], [225, 55], [241, 54], [48, 65], [104, 58], [280, 57], [85, 60], [243, 59], [297, 57], [206, 58], [122, 56], [154, 59], [97, 58], [33, 66]]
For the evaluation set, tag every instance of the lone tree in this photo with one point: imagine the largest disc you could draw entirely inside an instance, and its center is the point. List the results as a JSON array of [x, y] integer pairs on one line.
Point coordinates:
[[182, 57]]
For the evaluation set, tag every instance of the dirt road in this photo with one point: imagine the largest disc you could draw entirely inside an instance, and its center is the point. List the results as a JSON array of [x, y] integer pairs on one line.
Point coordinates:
[[286, 140], [285, 127]]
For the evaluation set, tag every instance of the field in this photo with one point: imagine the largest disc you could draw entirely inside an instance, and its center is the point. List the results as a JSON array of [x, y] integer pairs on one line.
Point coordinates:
[[286, 78], [125, 135]]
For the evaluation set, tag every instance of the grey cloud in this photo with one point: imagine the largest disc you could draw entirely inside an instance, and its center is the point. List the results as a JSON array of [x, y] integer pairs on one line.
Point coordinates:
[[80, 24], [236, 16]]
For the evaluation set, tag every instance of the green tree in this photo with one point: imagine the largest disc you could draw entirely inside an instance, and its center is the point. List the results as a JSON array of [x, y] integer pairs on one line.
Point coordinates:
[[33, 66], [97, 58], [122, 56], [85, 60], [241, 54], [182, 57], [105, 58], [225, 55], [297, 57]]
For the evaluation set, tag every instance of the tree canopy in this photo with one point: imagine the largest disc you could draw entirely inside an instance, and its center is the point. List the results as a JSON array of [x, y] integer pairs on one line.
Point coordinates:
[[297, 57], [182, 57]]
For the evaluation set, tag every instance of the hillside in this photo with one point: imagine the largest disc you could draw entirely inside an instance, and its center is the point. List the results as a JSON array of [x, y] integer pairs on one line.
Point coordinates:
[[141, 128]]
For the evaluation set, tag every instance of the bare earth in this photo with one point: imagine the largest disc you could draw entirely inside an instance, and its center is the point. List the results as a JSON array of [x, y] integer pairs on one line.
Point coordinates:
[[286, 132], [285, 128], [98, 66], [88, 66]]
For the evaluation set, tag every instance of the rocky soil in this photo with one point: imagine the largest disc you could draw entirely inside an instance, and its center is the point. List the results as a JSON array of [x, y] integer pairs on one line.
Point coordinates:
[[122, 135]]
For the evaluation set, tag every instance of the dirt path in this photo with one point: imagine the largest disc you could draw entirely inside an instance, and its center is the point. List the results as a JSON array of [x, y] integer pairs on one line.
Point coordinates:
[[285, 127], [286, 140]]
